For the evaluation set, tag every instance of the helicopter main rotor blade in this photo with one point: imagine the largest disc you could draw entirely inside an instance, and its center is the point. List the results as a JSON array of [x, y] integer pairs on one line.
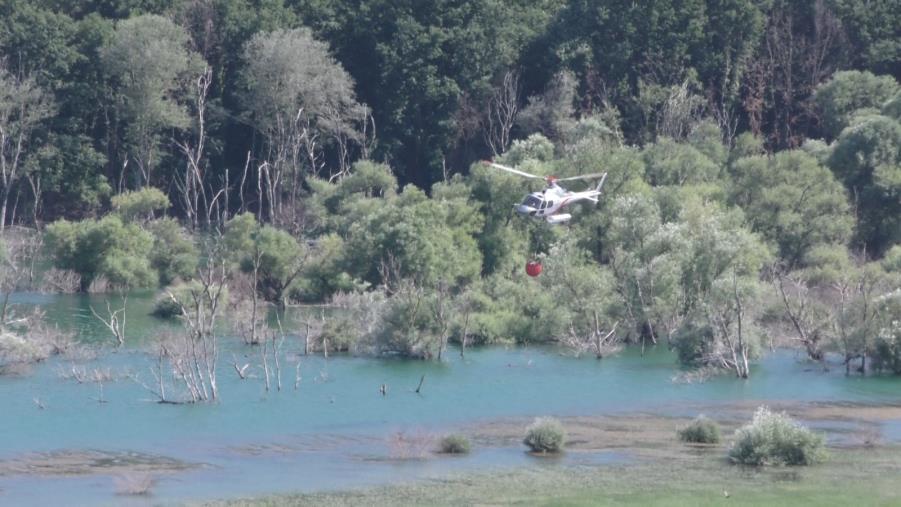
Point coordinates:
[[582, 177], [512, 170]]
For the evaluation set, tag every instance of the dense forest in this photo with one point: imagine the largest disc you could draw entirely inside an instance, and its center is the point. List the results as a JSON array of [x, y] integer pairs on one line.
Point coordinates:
[[326, 151]]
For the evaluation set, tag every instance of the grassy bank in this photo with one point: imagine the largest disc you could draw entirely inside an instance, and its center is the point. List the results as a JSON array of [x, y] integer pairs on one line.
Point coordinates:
[[851, 477], [662, 471]]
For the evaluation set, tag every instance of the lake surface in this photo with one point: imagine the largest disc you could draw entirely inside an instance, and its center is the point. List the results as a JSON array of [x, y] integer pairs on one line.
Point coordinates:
[[336, 430]]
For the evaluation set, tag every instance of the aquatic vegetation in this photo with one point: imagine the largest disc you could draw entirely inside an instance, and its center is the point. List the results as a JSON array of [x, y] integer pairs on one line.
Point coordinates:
[[545, 435], [455, 444], [700, 431]]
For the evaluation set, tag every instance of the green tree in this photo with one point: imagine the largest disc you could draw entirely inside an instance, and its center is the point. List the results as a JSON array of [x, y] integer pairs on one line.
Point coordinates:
[[300, 100], [616, 47], [873, 31], [412, 236], [792, 201], [274, 257], [671, 163], [324, 273], [867, 158], [106, 248], [174, 255], [23, 106], [149, 63], [139, 205], [585, 293], [846, 92], [439, 58]]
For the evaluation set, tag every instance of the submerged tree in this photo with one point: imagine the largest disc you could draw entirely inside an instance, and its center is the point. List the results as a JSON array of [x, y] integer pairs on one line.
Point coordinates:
[[586, 293], [193, 355]]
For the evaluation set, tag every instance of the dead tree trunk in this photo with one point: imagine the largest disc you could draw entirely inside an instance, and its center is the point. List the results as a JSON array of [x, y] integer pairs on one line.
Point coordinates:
[[115, 320]]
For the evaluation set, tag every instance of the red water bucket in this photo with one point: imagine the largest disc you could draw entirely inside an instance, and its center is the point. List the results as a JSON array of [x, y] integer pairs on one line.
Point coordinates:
[[533, 268]]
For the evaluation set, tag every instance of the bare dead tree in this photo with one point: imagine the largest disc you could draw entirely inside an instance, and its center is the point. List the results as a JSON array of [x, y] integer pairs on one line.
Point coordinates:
[[727, 120], [754, 98], [680, 113], [465, 306], [16, 267], [277, 342], [824, 47], [241, 370], [243, 208], [251, 290], [808, 321], [264, 356], [115, 320], [797, 54], [313, 331], [367, 135], [501, 114], [64, 281], [347, 126], [34, 181], [600, 340], [727, 321], [441, 312], [194, 354], [192, 185]]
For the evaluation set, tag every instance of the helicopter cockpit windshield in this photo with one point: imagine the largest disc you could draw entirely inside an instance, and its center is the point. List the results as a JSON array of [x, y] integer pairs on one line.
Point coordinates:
[[532, 202]]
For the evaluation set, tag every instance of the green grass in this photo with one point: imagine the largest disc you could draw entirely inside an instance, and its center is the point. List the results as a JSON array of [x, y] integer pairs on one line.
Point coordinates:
[[850, 477]]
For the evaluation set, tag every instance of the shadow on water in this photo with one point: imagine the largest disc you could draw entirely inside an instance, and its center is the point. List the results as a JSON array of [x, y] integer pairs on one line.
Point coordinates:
[[336, 430]]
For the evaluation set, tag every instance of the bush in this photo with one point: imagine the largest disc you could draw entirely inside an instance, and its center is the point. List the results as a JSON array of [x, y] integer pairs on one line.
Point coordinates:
[[701, 431], [165, 307], [106, 248], [887, 353], [776, 439], [140, 204], [545, 435], [455, 444]]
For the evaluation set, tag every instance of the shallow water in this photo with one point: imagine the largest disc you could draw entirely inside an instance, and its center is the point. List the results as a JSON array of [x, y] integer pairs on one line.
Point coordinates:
[[336, 430]]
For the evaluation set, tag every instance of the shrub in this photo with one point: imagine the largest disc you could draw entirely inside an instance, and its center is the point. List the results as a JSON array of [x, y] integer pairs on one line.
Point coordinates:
[[546, 434], [887, 353], [701, 431], [165, 307], [140, 204], [106, 248], [455, 444], [776, 439]]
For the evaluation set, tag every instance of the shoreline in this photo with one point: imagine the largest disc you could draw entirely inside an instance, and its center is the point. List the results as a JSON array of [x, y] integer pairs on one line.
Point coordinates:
[[652, 467]]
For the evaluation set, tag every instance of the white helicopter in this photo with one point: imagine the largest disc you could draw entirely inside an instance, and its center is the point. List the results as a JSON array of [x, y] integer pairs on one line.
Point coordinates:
[[548, 203]]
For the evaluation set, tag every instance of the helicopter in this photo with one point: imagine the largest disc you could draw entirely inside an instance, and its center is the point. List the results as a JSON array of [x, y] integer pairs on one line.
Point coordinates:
[[549, 203]]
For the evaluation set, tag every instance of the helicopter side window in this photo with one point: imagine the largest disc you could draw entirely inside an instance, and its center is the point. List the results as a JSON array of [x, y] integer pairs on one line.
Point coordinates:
[[550, 204], [532, 202]]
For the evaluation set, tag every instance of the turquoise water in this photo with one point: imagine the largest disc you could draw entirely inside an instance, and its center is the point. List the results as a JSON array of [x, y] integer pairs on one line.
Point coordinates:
[[334, 431]]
